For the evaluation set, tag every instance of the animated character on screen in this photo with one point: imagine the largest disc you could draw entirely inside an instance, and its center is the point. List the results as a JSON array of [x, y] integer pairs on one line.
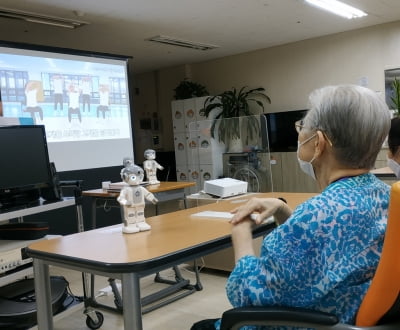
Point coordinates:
[[151, 166], [1, 106], [33, 89], [132, 200], [104, 93], [58, 91], [73, 103], [86, 90]]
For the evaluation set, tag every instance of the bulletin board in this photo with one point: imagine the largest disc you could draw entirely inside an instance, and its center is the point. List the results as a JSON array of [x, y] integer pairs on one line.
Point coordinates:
[[390, 75]]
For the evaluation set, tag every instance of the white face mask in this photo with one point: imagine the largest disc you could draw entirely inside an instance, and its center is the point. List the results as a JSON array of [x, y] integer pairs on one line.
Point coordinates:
[[305, 166], [394, 166]]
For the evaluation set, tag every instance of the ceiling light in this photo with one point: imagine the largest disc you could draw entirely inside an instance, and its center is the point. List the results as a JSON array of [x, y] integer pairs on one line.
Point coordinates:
[[338, 8], [181, 43], [39, 18]]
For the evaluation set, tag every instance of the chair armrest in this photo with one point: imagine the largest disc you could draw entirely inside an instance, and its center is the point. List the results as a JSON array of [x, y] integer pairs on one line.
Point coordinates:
[[237, 317]]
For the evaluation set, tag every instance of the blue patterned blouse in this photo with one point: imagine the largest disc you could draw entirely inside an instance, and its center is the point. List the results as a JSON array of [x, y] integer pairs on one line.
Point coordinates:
[[323, 257]]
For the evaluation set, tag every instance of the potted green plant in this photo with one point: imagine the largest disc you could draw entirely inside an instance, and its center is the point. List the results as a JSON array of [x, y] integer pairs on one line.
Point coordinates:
[[396, 97], [235, 115], [188, 89]]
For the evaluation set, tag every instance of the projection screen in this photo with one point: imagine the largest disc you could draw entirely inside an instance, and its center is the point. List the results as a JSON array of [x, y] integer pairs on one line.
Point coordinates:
[[82, 99]]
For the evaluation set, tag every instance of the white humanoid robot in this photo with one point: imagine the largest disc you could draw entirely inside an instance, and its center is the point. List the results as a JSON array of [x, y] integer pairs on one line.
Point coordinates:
[[132, 200], [127, 161], [151, 166]]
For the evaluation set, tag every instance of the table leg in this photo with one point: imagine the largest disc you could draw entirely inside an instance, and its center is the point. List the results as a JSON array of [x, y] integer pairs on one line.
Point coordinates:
[[184, 201], [94, 210], [132, 303], [79, 215], [43, 295]]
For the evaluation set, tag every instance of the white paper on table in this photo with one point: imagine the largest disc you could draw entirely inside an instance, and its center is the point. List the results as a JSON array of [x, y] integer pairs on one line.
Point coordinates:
[[228, 216], [213, 214]]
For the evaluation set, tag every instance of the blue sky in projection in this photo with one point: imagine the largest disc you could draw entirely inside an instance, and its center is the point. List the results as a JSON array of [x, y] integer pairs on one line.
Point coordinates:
[[36, 65]]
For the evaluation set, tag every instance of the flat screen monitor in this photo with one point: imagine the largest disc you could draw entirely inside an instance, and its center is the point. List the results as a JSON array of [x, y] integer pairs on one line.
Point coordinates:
[[24, 166], [282, 135]]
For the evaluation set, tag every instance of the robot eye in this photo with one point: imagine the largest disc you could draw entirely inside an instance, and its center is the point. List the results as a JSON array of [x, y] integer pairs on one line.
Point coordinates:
[[133, 177]]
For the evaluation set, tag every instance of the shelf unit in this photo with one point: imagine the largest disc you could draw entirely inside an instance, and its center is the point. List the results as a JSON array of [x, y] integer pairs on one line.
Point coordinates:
[[13, 266], [42, 206]]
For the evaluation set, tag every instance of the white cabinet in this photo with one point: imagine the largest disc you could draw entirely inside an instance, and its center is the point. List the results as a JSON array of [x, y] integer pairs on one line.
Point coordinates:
[[178, 120], [198, 156]]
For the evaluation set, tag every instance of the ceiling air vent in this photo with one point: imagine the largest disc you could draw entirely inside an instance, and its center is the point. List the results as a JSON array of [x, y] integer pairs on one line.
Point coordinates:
[[40, 18], [181, 43]]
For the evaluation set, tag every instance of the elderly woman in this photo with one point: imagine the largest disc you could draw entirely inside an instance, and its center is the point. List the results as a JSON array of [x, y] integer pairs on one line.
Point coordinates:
[[325, 252]]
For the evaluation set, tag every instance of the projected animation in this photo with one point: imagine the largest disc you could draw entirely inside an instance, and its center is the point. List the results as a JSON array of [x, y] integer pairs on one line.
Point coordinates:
[[76, 100]]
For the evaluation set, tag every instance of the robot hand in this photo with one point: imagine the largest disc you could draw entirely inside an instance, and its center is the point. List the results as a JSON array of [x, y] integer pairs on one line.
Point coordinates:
[[123, 202], [154, 200]]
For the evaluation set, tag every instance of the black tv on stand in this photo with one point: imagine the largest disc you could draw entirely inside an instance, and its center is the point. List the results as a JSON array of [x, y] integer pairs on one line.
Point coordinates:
[[280, 129], [24, 166]]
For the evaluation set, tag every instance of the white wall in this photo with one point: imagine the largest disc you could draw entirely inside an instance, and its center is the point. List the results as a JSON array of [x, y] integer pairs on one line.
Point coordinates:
[[156, 91], [289, 72]]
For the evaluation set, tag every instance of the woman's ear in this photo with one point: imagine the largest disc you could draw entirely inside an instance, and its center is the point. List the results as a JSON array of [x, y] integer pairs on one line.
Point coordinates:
[[320, 143]]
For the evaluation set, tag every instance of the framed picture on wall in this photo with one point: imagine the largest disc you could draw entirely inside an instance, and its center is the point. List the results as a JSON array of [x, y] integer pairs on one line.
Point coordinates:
[[390, 75]]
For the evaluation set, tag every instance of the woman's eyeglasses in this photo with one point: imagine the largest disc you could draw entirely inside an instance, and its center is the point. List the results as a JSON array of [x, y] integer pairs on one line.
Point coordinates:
[[299, 125]]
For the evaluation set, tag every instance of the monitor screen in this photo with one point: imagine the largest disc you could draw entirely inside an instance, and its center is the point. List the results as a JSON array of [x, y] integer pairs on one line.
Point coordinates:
[[25, 162], [282, 135]]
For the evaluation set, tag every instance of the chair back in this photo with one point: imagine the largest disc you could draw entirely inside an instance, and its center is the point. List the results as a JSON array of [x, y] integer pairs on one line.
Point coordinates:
[[383, 293]]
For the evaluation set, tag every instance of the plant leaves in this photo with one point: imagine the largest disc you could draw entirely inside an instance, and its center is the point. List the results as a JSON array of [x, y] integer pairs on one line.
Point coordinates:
[[233, 104]]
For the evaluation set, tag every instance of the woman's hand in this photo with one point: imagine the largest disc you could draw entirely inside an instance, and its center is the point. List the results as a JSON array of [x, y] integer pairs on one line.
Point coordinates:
[[242, 239], [266, 207], [242, 229]]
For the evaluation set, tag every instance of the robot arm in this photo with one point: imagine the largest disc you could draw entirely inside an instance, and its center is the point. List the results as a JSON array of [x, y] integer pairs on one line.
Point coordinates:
[[122, 198], [150, 197]]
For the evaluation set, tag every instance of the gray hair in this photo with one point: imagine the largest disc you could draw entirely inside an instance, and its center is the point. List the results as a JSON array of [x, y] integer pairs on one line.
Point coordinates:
[[355, 119]]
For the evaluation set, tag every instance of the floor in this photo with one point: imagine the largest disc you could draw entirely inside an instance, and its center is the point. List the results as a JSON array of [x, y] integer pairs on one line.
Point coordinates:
[[179, 315]]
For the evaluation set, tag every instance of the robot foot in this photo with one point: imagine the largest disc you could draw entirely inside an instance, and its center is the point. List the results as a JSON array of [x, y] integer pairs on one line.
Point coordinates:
[[143, 226], [154, 182], [130, 229]]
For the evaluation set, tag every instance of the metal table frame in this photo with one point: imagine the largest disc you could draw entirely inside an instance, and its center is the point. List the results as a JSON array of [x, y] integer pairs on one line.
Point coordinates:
[[129, 275]]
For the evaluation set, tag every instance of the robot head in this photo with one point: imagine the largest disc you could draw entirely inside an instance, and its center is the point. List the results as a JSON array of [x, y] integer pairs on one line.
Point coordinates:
[[127, 161], [150, 154], [132, 175]]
